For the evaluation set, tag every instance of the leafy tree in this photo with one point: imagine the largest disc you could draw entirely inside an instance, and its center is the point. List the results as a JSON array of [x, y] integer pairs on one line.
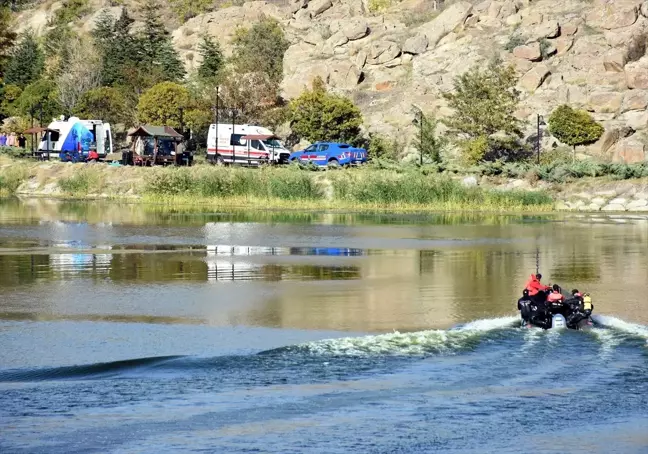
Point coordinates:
[[251, 94], [27, 61], [261, 48], [163, 104], [574, 127], [39, 97], [7, 37], [105, 103], [427, 143], [155, 43], [10, 94], [212, 58], [80, 73], [318, 115], [484, 102]]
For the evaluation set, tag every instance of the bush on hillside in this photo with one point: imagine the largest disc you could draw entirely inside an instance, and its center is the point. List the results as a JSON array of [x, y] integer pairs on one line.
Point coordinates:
[[574, 127], [318, 115]]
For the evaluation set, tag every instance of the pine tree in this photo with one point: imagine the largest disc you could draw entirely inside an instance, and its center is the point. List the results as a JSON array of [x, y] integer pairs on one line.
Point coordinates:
[[117, 47], [27, 62], [212, 58], [155, 43], [7, 37]]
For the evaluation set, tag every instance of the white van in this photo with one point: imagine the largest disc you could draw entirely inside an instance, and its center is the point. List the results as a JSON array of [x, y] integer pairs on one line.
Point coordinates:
[[54, 137], [245, 145]]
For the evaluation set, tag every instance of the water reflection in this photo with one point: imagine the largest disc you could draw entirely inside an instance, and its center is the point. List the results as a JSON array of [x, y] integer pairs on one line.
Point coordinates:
[[360, 272]]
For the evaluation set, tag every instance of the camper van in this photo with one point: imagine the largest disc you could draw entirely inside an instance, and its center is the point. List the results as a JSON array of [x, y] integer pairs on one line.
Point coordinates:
[[76, 137], [245, 145]]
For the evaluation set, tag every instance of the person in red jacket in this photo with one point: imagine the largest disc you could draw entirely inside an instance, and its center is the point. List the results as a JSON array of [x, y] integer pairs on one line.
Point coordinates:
[[535, 287]]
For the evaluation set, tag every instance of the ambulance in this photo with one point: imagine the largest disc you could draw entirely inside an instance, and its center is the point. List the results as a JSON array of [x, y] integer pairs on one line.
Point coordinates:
[[246, 145]]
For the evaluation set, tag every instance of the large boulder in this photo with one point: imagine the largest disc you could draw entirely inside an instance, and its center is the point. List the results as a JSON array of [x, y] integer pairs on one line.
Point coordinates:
[[383, 51], [547, 29], [613, 14], [615, 60], [629, 151], [344, 75], [415, 45], [605, 101], [534, 78], [451, 18], [563, 45], [635, 100], [317, 7], [611, 136], [636, 119], [355, 28], [529, 52], [221, 25], [637, 74]]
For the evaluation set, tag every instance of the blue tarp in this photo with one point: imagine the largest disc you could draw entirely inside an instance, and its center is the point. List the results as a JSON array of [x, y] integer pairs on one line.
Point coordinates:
[[78, 134]]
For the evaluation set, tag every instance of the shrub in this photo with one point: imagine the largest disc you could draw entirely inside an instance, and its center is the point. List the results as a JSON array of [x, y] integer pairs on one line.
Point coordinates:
[[318, 115], [574, 127], [85, 181], [162, 103], [515, 40]]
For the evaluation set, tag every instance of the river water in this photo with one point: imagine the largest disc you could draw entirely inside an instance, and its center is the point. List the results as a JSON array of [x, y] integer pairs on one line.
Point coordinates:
[[129, 329]]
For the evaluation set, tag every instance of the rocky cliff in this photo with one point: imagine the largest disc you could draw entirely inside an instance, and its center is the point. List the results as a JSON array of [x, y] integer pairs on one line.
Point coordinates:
[[588, 53]]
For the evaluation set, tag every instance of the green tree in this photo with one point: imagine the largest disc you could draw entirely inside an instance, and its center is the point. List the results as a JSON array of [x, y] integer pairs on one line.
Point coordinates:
[[7, 37], [251, 94], [318, 115], [10, 94], [163, 104], [39, 97], [105, 103], [116, 46], [27, 61], [484, 102], [261, 48], [186, 9], [212, 58], [157, 51], [574, 127], [427, 142]]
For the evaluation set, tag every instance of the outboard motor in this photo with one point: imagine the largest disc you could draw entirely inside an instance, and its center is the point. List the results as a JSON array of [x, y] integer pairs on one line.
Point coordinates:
[[558, 321]]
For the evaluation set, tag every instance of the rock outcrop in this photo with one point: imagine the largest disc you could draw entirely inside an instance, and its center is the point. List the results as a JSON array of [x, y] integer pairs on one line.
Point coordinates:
[[591, 55]]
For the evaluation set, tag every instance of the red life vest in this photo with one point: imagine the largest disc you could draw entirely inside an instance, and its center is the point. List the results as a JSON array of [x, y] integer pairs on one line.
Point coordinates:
[[555, 297], [534, 286]]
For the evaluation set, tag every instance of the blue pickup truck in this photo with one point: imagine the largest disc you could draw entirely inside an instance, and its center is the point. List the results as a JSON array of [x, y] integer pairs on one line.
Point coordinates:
[[330, 154]]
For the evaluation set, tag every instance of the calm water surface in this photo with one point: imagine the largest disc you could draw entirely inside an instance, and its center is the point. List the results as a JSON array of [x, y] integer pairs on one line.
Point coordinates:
[[141, 329]]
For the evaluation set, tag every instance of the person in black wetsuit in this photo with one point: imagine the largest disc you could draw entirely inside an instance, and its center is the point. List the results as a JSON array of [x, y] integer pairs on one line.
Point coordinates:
[[534, 311], [524, 306], [578, 307]]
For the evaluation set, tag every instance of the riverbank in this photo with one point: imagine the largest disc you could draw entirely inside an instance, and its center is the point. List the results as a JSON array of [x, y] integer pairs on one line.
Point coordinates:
[[370, 188]]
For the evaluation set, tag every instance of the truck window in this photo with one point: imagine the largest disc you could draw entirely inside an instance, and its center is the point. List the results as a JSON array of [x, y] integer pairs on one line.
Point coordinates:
[[237, 139], [54, 136], [256, 144], [310, 148], [323, 147]]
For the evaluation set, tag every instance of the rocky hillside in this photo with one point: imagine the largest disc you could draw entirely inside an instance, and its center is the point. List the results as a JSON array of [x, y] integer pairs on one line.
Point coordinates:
[[588, 53]]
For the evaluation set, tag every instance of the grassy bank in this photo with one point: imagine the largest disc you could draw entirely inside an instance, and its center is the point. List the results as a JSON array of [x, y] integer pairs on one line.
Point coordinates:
[[283, 187]]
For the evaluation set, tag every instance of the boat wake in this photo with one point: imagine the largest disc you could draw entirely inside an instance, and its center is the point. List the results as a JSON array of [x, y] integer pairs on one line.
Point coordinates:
[[353, 354]]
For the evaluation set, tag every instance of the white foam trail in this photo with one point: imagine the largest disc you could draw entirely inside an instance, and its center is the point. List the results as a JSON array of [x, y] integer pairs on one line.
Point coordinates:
[[490, 324], [417, 343], [633, 329], [608, 339], [531, 338]]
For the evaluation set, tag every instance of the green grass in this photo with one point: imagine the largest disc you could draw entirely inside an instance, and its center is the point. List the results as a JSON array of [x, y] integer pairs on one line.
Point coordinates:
[[293, 187]]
